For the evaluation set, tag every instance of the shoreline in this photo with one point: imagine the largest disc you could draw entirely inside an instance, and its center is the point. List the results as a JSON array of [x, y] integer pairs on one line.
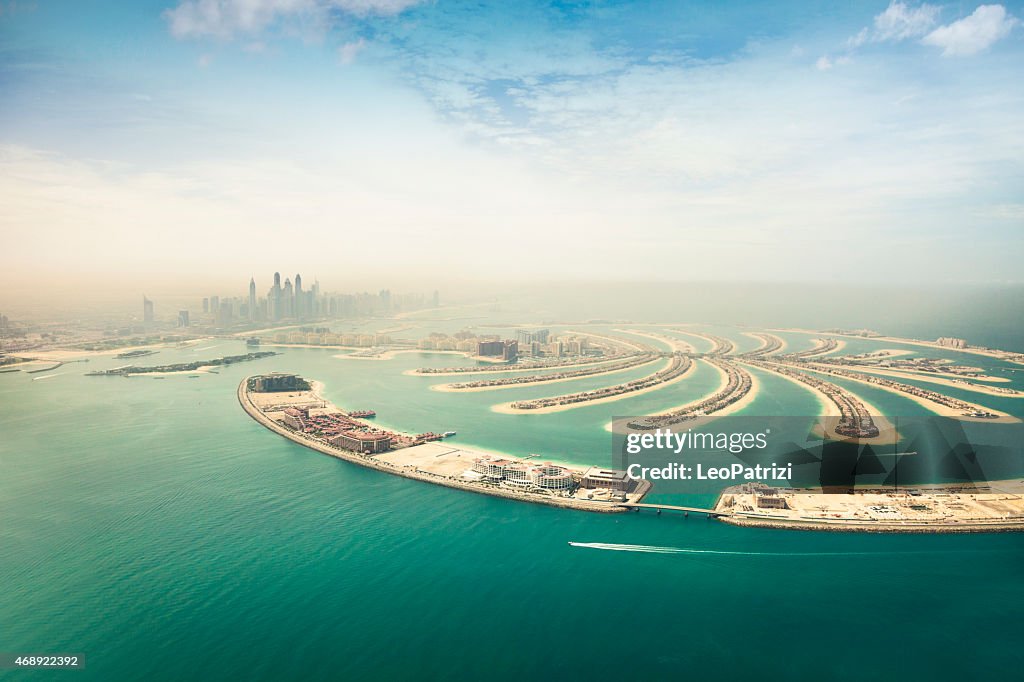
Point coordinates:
[[742, 403], [509, 369], [759, 351], [993, 353], [931, 378], [449, 388], [881, 528], [831, 412], [506, 408], [259, 417], [390, 353], [928, 509], [931, 406], [58, 354], [673, 343]]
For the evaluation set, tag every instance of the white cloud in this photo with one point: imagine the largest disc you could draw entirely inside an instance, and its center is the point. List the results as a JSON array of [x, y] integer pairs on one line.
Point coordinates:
[[347, 52], [970, 35], [900, 21], [859, 39], [226, 18], [825, 62]]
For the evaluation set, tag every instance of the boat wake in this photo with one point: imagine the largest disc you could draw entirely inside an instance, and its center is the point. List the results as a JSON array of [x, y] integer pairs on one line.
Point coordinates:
[[653, 549], [48, 376]]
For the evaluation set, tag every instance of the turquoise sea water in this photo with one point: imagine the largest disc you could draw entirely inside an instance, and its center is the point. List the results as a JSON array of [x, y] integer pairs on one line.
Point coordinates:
[[154, 527]]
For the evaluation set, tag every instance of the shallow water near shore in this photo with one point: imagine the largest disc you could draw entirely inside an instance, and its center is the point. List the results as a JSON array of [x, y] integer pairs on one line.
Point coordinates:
[[155, 528]]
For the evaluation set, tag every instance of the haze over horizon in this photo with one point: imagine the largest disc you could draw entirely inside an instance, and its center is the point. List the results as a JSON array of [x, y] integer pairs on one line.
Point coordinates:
[[395, 141]]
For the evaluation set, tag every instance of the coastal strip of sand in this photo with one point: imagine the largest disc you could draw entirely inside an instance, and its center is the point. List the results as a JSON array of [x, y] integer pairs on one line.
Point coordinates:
[[390, 353], [507, 369], [697, 335], [673, 343], [633, 345], [933, 378], [58, 354], [506, 408], [451, 388], [840, 345], [764, 337], [830, 414], [920, 509], [931, 405], [1005, 356], [732, 408], [407, 462]]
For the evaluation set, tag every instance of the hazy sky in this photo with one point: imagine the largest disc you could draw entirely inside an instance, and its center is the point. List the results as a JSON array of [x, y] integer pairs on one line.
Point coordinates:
[[654, 140]]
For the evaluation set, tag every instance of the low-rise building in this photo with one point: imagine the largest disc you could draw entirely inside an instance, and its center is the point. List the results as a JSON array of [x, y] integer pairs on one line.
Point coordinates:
[[367, 442], [596, 477]]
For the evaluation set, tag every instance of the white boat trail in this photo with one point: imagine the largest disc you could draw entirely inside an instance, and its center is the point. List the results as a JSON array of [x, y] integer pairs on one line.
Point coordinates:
[[654, 549]]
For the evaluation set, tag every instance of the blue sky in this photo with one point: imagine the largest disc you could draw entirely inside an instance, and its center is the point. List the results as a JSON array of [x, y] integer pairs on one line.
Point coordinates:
[[672, 140]]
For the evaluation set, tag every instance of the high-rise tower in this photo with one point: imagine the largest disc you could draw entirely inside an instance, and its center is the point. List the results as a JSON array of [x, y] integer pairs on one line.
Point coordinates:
[[147, 310], [274, 297], [287, 299], [252, 299]]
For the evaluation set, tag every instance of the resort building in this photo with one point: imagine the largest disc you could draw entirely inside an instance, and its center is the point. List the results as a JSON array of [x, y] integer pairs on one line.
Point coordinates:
[[506, 350], [952, 342], [271, 383], [596, 477], [524, 475], [296, 418], [363, 441]]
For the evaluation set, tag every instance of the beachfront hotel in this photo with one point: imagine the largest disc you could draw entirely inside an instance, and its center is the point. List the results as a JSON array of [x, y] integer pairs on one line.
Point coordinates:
[[523, 475], [596, 477]]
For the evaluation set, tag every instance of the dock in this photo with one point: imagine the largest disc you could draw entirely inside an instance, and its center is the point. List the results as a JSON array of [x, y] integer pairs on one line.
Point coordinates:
[[637, 506]]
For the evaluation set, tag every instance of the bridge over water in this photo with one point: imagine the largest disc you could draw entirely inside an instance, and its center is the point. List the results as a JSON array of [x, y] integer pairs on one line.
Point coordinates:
[[637, 506]]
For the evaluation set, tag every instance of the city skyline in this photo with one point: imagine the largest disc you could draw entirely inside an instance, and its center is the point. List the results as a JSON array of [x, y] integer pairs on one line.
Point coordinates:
[[759, 142]]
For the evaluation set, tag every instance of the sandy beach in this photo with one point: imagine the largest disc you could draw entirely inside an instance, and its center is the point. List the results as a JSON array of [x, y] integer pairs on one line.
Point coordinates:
[[674, 344], [611, 339], [449, 388], [742, 403], [1005, 356], [696, 335], [391, 353], [779, 351], [937, 408], [933, 378], [506, 408], [830, 415], [507, 369], [57, 354], [446, 463], [840, 345]]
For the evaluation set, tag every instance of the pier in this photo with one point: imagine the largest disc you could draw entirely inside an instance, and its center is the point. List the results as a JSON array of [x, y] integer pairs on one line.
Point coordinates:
[[637, 506]]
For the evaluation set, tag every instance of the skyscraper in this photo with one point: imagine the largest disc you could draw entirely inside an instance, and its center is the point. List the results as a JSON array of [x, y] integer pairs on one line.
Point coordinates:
[[300, 300], [274, 299], [287, 299], [147, 310], [183, 318], [252, 299]]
